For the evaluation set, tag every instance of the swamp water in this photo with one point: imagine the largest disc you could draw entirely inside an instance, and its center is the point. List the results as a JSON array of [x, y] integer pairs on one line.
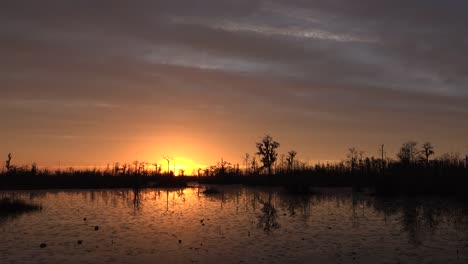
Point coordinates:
[[238, 225]]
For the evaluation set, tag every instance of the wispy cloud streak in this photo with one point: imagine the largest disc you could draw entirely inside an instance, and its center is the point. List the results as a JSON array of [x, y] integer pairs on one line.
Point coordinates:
[[34, 103], [293, 31]]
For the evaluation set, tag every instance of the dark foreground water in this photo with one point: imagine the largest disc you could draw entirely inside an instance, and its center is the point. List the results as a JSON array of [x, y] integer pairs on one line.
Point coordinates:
[[239, 225]]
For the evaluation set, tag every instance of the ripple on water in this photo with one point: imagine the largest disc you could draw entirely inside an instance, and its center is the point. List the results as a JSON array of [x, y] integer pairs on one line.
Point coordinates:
[[240, 225]]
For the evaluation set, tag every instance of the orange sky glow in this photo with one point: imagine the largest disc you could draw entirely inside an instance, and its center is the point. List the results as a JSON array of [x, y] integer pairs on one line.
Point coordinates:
[[81, 88]]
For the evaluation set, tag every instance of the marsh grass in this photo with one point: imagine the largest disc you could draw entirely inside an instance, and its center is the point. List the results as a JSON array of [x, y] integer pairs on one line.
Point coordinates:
[[85, 179], [413, 173]]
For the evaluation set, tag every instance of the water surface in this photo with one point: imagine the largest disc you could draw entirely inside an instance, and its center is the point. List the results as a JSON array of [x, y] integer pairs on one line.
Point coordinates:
[[239, 225]]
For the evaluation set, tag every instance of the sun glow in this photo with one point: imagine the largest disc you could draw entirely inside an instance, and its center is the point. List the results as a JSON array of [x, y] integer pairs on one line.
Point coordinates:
[[180, 166]]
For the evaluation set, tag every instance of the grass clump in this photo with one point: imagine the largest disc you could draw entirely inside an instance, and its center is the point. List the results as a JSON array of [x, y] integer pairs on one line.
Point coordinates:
[[10, 206]]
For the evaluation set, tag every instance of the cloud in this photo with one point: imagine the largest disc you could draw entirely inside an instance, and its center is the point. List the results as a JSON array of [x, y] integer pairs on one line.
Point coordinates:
[[38, 103], [189, 57], [394, 46], [314, 66], [294, 31]]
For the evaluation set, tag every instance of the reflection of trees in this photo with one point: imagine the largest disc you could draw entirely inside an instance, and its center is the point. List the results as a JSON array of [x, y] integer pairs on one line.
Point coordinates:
[[297, 204], [167, 201], [137, 199], [419, 219], [459, 219], [179, 193], [411, 223], [268, 220]]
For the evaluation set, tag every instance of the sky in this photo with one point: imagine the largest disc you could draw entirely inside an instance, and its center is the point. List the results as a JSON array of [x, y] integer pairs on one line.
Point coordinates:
[[89, 82]]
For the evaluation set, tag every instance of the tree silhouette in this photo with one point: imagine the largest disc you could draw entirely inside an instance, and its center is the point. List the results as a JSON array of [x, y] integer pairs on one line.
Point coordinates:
[[116, 169], [168, 159], [34, 168], [382, 158], [254, 165], [124, 168], [156, 168], [136, 163], [427, 151], [408, 152], [267, 151], [246, 159], [354, 155], [8, 162], [223, 166], [290, 159]]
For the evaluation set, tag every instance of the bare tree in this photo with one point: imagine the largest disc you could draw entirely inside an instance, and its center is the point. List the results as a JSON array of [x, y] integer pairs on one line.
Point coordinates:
[[246, 159], [168, 159], [290, 159], [283, 163], [181, 172], [354, 156], [408, 152], [156, 169], [427, 151], [254, 165], [124, 169], [8, 162], [223, 167], [136, 163], [267, 151], [450, 158], [116, 169], [382, 158], [142, 167]]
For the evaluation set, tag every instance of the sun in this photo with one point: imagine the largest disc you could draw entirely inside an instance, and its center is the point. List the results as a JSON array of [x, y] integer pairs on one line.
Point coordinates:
[[180, 166]]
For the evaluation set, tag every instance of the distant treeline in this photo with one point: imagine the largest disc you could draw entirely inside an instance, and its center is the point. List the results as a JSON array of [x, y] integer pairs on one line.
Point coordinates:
[[415, 170], [125, 176]]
